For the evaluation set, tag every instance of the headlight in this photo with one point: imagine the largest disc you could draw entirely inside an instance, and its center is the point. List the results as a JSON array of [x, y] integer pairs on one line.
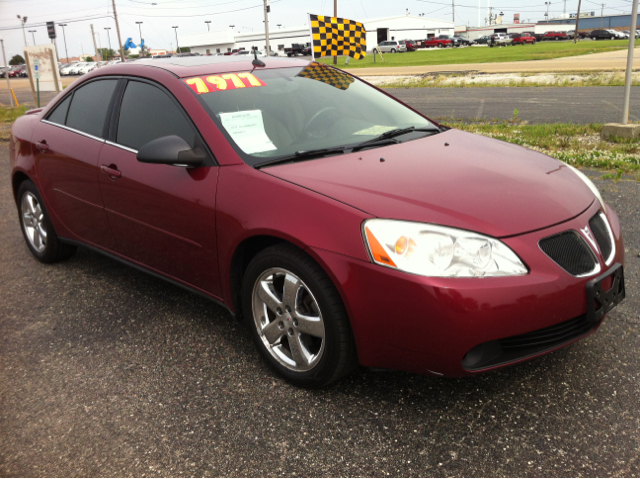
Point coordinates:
[[589, 183], [430, 250]]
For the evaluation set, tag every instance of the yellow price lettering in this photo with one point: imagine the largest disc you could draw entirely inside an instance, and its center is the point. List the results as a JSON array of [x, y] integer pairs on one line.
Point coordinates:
[[236, 81], [218, 82], [201, 87], [253, 81]]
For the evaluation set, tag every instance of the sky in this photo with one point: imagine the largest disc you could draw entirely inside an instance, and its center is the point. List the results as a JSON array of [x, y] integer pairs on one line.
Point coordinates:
[[159, 16]]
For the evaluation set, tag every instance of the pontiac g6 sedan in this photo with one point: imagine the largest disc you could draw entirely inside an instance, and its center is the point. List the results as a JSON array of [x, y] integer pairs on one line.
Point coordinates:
[[340, 225]]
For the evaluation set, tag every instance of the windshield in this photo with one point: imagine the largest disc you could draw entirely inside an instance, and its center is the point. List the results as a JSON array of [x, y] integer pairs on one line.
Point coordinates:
[[276, 113]]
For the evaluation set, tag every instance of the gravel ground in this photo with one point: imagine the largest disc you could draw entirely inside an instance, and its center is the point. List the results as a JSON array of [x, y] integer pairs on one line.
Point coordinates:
[[105, 371]]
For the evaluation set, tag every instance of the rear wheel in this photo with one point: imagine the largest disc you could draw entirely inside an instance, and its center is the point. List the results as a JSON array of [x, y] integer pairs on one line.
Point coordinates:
[[296, 317], [393, 50], [440, 45], [37, 229]]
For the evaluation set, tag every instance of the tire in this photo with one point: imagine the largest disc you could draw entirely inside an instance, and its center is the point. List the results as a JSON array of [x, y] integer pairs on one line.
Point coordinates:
[[440, 45], [324, 355], [37, 229], [393, 50]]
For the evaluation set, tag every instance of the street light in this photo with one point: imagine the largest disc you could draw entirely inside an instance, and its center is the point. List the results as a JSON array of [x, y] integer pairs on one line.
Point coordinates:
[[208, 22], [109, 38], [33, 35], [65, 40], [175, 29], [547, 4], [23, 20], [141, 44]]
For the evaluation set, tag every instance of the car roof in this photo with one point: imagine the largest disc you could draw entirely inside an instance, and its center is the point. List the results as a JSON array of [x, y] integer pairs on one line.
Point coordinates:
[[189, 66]]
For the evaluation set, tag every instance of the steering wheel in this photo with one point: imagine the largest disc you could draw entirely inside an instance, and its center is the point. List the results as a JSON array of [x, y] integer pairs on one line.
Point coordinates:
[[315, 116]]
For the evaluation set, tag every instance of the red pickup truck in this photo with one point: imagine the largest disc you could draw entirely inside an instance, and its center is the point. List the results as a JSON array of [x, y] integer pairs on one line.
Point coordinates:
[[441, 41], [555, 36], [523, 39]]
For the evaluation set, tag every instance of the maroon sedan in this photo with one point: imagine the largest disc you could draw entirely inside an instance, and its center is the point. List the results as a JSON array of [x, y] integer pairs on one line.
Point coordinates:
[[340, 225]]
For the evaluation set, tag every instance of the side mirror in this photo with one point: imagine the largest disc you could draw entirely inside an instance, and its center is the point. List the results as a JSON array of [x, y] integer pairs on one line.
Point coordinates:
[[171, 150]]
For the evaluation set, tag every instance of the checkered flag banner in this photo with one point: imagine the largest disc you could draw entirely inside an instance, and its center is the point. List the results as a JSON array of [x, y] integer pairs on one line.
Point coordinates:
[[337, 37], [328, 75]]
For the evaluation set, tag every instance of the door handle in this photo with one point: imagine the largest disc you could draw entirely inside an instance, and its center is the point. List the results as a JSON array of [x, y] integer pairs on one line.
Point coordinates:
[[42, 146], [111, 171]]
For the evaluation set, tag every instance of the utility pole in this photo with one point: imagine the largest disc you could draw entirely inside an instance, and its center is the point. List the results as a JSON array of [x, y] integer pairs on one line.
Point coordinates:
[[4, 58], [575, 37], [632, 41], [65, 40], [453, 8], [108, 38], [335, 14], [115, 16], [479, 16], [33, 35], [95, 47], [565, 7], [601, 15], [208, 22], [141, 46], [23, 20], [175, 29], [267, 9]]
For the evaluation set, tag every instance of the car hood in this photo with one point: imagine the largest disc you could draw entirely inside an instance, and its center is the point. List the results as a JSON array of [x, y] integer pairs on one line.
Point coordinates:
[[455, 179]]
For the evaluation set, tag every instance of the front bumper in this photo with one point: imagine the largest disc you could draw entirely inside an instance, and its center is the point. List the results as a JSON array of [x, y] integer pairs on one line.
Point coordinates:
[[428, 325]]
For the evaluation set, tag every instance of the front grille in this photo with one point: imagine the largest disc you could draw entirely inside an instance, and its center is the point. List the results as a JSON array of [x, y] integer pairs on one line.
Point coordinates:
[[601, 233], [514, 348], [570, 252]]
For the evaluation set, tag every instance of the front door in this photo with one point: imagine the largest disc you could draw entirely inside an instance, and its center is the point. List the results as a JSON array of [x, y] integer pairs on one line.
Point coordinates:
[[163, 216]]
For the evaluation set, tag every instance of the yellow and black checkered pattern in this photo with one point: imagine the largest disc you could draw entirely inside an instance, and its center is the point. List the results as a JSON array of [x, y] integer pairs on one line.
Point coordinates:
[[328, 75], [337, 37]]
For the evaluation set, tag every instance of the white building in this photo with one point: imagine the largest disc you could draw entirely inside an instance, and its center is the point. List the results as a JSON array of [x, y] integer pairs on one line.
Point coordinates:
[[405, 27]]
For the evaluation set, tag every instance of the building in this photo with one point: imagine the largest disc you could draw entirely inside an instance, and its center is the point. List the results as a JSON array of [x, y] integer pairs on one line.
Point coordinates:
[[589, 21], [378, 30]]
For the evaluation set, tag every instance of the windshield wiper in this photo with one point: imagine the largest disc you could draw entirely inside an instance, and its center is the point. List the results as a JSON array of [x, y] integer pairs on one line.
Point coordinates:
[[303, 155], [394, 133]]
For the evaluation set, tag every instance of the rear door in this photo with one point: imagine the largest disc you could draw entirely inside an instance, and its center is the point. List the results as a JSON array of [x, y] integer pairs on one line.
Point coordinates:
[[163, 216], [68, 143]]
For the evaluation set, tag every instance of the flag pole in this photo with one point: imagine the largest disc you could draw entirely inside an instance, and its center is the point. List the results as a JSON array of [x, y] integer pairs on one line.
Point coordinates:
[[313, 50]]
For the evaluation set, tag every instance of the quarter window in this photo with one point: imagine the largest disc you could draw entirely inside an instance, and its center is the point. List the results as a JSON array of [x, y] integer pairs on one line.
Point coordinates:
[[148, 113], [90, 107], [59, 114]]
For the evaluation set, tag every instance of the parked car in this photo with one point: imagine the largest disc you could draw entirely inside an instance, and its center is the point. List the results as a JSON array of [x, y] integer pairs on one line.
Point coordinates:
[[87, 67], [410, 44], [297, 49], [390, 46], [483, 40], [22, 72], [323, 228], [462, 41], [602, 35], [522, 39], [11, 72], [618, 35], [441, 41], [500, 39], [75, 69], [67, 69], [263, 53], [555, 36]]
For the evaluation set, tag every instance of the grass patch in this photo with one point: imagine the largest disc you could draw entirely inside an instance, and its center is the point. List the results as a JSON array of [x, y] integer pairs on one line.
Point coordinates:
[[9, 115], [578, 145], [453, 56]]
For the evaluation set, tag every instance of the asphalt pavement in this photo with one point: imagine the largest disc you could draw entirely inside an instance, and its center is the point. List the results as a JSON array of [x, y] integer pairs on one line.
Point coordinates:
[[106, 371], [535, 104]]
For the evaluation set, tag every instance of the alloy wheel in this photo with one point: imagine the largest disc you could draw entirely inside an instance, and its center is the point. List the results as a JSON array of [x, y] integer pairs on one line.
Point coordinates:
[[33, 222], [288, 319]]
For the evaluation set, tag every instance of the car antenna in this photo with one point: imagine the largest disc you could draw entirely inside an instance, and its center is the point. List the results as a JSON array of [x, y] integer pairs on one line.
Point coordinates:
[[256, 62]]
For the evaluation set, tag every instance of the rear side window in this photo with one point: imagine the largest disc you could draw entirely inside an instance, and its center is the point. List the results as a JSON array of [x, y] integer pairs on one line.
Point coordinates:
[[148, 113], [59, 114], [90, 106]]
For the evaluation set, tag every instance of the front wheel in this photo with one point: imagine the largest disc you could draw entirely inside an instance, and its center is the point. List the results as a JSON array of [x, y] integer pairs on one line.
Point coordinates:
[[37, 229], [296, 317]]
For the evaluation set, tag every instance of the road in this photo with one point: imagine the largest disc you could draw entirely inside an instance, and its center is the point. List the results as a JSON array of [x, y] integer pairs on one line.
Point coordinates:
[[106, 371], [535, 104]]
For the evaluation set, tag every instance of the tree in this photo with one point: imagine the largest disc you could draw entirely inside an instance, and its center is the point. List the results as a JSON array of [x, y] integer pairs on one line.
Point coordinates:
[[184, 50], [106, 53], [17, 60], [87, 59]]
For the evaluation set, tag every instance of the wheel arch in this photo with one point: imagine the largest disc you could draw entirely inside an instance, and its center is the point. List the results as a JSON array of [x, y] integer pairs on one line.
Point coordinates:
[[19, 177]]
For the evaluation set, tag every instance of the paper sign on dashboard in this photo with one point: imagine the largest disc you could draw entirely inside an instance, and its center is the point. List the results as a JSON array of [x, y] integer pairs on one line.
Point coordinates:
[[246, 128]]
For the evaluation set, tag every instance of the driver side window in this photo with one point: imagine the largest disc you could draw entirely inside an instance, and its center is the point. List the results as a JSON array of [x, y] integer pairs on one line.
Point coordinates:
[[148, 113]]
